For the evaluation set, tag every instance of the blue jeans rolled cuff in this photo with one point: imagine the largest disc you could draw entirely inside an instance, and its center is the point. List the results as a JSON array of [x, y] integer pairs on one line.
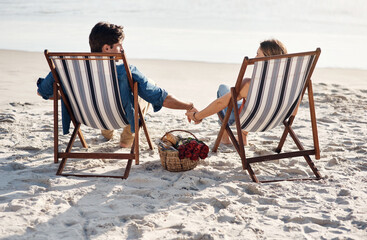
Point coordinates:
[[223, 90]]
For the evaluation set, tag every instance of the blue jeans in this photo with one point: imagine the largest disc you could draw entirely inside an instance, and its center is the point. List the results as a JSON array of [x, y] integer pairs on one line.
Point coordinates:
[[223, 90]]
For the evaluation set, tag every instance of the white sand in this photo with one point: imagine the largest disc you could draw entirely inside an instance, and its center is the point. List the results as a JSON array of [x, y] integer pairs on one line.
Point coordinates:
[[216, 200]]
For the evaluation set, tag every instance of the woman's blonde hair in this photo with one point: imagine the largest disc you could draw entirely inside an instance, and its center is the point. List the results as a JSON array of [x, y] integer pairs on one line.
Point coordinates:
[[272, 47]]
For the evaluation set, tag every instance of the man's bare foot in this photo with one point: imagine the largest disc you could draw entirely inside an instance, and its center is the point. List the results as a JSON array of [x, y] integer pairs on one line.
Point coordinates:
[[107, 134], [127, 137]]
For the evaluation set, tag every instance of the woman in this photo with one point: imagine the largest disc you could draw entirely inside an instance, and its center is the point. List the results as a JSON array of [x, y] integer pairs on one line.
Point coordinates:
[[267, 48]]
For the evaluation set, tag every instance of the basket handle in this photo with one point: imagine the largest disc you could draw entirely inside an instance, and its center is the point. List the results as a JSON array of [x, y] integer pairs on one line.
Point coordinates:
[[179, 130]]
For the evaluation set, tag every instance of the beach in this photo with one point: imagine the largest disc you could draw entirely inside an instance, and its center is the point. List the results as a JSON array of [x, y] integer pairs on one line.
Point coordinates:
[[216, 200]]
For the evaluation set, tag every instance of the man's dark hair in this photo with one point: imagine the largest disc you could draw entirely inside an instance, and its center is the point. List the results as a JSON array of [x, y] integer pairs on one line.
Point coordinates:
[[105, 33]]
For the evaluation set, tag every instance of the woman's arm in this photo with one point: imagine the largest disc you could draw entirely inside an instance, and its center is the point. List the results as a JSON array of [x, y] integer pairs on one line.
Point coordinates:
[[212, 108], [219, 104], [245, 85]]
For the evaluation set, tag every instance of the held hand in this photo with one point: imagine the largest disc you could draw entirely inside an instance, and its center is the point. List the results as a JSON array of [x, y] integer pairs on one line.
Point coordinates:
[[192, 110], [190, 116]]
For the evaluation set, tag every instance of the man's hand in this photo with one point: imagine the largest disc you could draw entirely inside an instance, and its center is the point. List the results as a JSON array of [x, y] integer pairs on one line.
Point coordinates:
[[190, 115]]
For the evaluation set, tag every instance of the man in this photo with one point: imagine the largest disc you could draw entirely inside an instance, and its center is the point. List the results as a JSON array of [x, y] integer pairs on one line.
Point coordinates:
[[107, 38]]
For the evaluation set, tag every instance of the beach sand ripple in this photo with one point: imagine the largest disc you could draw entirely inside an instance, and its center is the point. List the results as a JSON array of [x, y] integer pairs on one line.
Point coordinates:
[[216, 200]]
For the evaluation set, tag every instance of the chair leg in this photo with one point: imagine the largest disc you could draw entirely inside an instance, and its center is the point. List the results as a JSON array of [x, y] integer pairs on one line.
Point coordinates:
[[68, 149], [238, 125], [82, 139], [136, 118], [219, 136], [233, 138], [145, 129], [287, 125], [313, 120], [56, 125], [223, 127], [307, 157], [129, 163], [135, 146], [127, 169], [282, 140], [252, 174], [240, 146]]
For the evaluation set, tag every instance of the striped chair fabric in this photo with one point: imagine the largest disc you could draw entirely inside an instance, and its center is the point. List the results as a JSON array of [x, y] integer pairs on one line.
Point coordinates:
[[274, 92], [92, 89]]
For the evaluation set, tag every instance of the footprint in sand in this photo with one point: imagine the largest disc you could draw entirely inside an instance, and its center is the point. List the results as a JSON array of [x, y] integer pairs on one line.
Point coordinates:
[[7, 118], [17, 104]]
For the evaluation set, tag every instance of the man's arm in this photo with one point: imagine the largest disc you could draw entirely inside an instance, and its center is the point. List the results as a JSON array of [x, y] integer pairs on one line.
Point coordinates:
[[174, 103]]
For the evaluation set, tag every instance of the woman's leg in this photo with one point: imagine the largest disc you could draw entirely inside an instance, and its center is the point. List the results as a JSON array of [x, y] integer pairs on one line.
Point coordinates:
[[244, 137], [223, 90], [225, 138]]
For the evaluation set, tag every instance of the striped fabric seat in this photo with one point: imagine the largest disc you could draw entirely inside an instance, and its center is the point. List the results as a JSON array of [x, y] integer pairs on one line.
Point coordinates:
[[274, 92], [92, 89]]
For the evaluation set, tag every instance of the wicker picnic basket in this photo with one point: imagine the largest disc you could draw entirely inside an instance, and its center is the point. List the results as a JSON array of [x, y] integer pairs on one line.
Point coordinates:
[[170, 160]]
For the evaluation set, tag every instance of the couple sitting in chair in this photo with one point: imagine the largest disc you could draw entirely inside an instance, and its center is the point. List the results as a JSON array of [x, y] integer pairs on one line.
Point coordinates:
[[107, 38], [98, 93]]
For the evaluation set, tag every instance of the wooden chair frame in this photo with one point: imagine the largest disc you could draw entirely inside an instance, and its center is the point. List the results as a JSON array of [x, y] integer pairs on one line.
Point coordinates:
[[239, 146], [64, 155]]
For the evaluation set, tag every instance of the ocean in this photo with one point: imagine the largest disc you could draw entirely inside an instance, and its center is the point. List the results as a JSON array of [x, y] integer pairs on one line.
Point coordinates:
[[196, 30]]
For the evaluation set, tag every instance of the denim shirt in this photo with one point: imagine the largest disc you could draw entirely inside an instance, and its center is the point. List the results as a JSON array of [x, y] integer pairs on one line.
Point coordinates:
[[146, 90]]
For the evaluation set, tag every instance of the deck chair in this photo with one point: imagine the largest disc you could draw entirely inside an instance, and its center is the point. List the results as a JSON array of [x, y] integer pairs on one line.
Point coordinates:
[[88, 85], [277, 87]]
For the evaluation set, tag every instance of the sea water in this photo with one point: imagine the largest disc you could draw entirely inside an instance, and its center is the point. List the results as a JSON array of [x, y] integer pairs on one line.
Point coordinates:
[[198, 30]]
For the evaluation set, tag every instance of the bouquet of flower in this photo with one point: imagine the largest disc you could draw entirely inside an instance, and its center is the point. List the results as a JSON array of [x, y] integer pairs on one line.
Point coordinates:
[[193, 149], [187, 147]]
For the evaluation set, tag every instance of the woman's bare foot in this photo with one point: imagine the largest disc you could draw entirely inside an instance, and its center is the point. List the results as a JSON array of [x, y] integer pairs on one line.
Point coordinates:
[[225, 138], [244, 137]]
